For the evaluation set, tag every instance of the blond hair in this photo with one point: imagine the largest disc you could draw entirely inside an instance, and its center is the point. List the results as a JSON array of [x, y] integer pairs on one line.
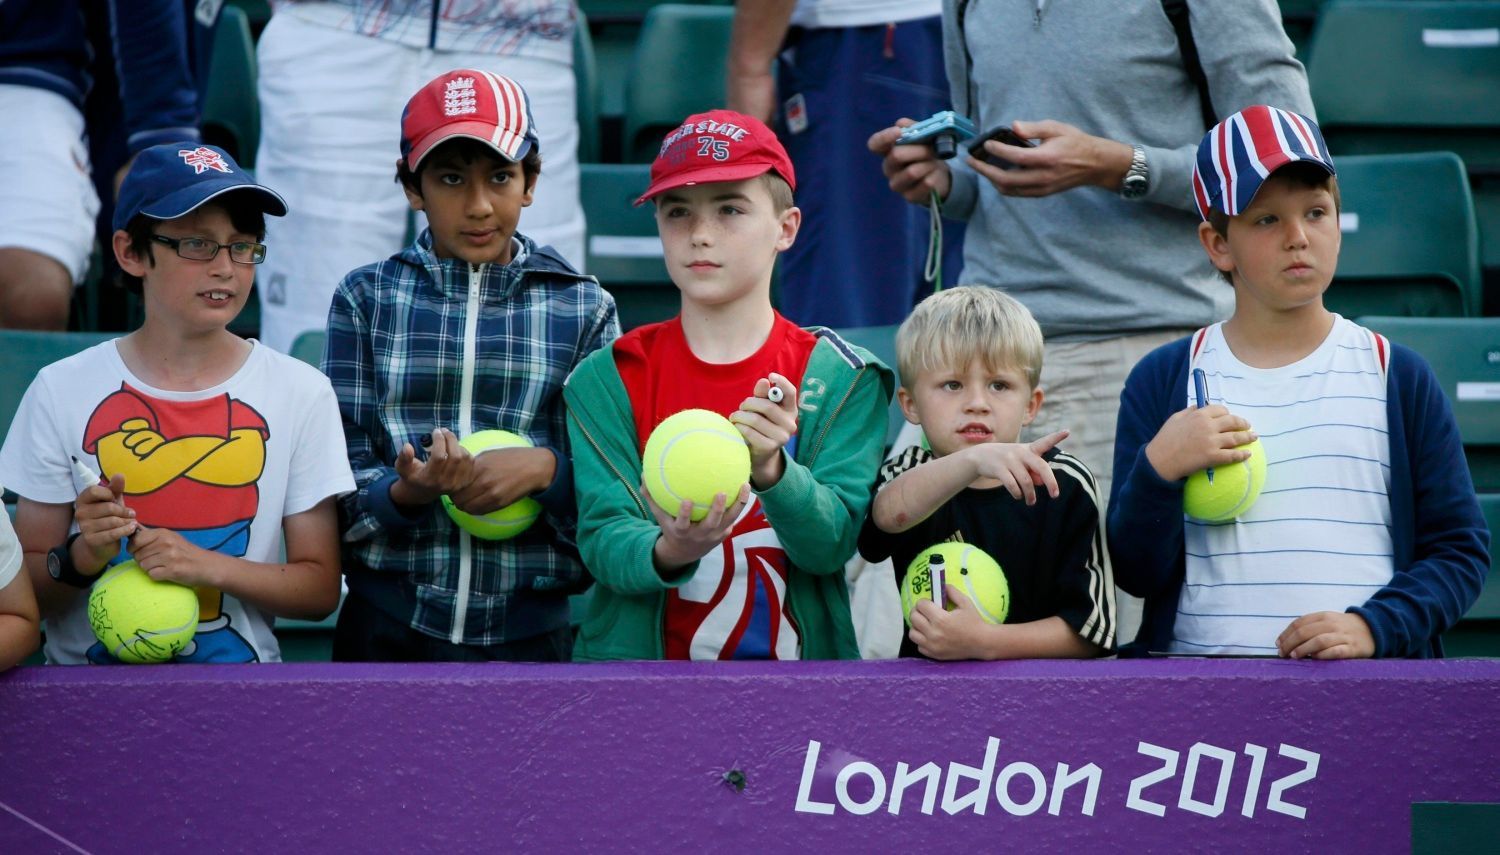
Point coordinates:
[[953, 328]]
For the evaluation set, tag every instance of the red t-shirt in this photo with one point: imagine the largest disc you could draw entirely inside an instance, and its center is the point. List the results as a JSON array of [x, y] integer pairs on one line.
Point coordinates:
[[735, 605]]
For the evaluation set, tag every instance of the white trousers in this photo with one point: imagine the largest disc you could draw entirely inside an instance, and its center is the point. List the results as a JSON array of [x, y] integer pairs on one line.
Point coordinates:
[[331, 105], [47, 198]]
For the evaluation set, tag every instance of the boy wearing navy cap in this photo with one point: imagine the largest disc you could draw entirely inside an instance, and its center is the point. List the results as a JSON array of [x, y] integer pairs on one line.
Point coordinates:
[[762, 576], [214, 452], [474, 327], [1367, 539]]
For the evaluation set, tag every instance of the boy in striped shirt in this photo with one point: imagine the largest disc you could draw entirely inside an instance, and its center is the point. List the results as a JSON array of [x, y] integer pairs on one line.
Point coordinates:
[[1367, 539]]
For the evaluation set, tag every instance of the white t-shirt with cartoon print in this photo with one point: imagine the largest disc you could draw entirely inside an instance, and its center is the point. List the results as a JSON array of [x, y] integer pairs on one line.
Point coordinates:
[[221, 466]]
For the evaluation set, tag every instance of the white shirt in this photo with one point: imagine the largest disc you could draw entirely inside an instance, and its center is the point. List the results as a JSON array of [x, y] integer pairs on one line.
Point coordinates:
[[1319, 537]]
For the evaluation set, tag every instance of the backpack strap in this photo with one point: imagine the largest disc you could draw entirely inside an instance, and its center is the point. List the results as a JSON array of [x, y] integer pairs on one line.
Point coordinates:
[[1177, 13], [1196, 347], [1381, 347]]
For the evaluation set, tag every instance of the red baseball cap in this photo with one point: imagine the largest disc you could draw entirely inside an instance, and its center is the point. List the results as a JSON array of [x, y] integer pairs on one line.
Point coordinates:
[[477, 105], [720, 145]]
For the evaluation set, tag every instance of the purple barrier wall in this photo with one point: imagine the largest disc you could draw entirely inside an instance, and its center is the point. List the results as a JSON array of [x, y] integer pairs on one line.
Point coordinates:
[[1163, 755]]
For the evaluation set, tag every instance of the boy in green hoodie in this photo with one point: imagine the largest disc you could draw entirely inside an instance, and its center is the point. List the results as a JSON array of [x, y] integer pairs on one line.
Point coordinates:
[[761, 576]]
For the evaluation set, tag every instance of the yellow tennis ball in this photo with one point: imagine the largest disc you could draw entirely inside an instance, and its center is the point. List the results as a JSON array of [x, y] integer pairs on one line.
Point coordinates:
[[967, 568], [1234, 490], [693, 456], [506, 522], [139, 619]]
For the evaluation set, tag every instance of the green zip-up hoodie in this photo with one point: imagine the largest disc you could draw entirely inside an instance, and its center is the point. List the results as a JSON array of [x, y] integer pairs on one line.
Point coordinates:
[[816, 508]]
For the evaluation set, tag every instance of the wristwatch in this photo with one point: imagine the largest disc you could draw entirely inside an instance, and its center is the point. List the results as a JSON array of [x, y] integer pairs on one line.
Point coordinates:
[[1138, 177], [61, 568]]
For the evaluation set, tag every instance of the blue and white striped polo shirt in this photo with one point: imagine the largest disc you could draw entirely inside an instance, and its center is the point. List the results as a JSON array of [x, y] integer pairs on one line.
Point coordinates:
[[1319, 538]]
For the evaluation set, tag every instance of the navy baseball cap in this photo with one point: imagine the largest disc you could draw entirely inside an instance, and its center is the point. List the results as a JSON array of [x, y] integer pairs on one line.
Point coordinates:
[[170, 180]]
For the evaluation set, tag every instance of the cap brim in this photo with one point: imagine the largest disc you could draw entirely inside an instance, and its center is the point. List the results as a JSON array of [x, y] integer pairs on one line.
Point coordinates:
[[189, 199], [707, 175], [1271, 170], [477, 131]]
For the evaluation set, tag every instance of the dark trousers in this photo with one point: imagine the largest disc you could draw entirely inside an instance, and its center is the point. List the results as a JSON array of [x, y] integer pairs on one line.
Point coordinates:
[[364, 633]]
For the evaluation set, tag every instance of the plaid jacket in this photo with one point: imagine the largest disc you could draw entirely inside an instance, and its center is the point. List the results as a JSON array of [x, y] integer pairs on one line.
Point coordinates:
[[417, 342]]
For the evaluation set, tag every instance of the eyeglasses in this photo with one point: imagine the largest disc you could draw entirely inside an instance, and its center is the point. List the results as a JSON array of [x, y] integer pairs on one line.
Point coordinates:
[[203, 249]]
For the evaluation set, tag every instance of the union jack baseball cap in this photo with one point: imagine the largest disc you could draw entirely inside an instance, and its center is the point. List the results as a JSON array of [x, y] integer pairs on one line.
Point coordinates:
[[170, 180], [720, 145], [476, 105], [1238, 154]]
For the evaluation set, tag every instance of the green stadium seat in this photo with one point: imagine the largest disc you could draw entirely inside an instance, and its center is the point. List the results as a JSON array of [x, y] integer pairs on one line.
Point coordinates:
[[586, 73], [231, 109], [28, 352], [880, 341], [1478, 634], [308, 640], [257, 12], [677, 70], [1404, 75], [610, 11], [1465, 355], [309, 347], [1487, 607], [1410, 243], [623, 249], [1297, 18], [1401, 76]]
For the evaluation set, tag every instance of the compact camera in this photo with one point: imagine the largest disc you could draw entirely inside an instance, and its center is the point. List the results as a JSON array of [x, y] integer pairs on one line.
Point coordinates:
[[943, 130]]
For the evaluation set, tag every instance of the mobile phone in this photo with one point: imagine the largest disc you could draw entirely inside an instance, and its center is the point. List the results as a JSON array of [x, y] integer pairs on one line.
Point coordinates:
[[1001, 134]]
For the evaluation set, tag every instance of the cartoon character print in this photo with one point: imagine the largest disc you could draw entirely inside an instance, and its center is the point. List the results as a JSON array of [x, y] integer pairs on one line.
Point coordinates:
[[190, 466]]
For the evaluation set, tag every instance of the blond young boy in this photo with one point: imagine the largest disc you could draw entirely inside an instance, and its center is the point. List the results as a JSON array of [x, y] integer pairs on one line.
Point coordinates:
[[969, 359], [1367, 539], [762, 576]]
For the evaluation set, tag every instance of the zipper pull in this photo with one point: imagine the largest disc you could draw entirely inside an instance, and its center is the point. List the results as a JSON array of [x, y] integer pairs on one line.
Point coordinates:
[[1036, 18], [889, 48]]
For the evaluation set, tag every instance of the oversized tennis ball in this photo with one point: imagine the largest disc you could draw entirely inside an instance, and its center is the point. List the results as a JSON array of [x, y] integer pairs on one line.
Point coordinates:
[[967, 568], [693, 456], [1234, 490], [139, 619], [506, 522]]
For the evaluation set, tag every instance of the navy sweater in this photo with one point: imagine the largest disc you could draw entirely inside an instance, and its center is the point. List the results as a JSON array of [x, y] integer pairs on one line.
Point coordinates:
[[1441, 544], [44, 44]]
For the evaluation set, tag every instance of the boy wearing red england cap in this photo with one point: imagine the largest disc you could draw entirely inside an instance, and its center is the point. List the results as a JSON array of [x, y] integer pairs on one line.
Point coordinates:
[[474, 327], [1366, 538], [761, 577]]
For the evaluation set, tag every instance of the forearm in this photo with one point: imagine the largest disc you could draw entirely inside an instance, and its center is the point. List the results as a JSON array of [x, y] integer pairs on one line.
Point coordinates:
[[19, 637], [52, 597], [305, 590], [1049, 638], [759, 29], [918, 492], [20, 626]]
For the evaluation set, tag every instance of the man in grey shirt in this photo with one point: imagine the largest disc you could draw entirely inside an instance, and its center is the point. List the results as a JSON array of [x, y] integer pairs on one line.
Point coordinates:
[[1094, 228]]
